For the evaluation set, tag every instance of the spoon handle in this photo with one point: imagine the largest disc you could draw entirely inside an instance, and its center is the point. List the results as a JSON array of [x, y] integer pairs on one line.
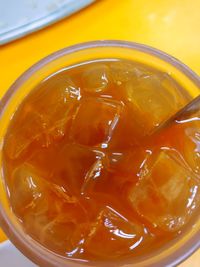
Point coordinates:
[[184, 113]]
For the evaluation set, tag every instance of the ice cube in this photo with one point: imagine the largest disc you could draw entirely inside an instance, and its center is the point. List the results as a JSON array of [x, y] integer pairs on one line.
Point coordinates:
[[119, 235], [155, 97], [120, 171], [66, 225], [113, 172], [175, 92], [68, 174], [129, 130], [123, 72], [66, 238], [127, 161], [19, 139], [93, 173], [56, 101], [96, 79], [31, 189], [191, 146], [46, 117], [63, 194], [62, 226], [55, 91], [166, 193], [28, 188], [71, 167], [95, 121], [58, 125], [43, 159]]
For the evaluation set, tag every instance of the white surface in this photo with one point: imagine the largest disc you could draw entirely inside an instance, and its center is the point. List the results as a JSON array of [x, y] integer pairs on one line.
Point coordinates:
[[11, 257]]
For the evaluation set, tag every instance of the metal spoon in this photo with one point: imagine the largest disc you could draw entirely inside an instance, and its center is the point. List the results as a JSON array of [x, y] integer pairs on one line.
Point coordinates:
[[184, 113]]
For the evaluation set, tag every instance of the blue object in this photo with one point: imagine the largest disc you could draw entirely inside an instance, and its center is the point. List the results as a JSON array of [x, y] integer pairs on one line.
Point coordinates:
[[21, 17]]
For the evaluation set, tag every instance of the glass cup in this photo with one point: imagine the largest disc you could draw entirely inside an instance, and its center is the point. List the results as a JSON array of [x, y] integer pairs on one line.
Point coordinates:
[[174, 252]]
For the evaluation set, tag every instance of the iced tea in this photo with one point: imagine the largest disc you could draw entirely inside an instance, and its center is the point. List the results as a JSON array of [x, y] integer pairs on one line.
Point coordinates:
[[86, 178]]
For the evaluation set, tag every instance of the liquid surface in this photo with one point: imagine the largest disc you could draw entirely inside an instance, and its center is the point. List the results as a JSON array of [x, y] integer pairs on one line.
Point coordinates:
[[86, 178]]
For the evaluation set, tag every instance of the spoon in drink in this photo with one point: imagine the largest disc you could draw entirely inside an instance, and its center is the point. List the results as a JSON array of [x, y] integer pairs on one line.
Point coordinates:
[[184, 113]]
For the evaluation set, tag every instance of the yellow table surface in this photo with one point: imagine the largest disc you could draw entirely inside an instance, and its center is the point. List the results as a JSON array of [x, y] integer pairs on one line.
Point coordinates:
[[171, 25]]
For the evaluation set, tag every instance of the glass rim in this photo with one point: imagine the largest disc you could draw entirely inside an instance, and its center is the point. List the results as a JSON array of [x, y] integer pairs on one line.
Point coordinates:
[[94, 44], [193, 243]]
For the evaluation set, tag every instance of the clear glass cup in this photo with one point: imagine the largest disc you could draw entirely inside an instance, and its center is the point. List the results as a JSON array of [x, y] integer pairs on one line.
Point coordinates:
[[174, 252]]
